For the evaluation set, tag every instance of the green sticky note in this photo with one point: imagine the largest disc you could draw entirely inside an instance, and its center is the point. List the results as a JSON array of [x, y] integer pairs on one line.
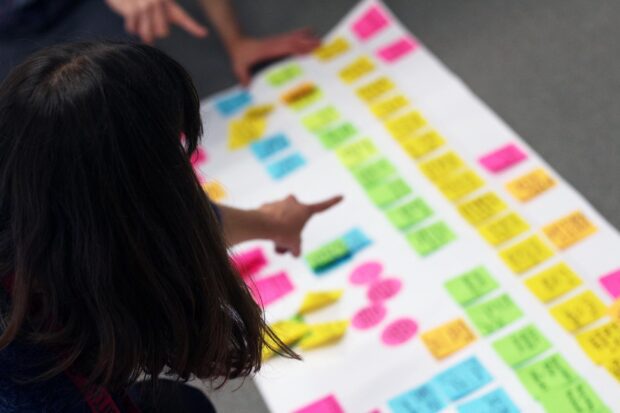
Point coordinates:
[[431, 238], [356, 153], [470, 286], [321, 119], [283, 75], [388, 193], [338, 135], [307, 100], [327, 254], [578, 397], [409, 214], [521, 345], [547, 375], [375, 173], [494, 314]]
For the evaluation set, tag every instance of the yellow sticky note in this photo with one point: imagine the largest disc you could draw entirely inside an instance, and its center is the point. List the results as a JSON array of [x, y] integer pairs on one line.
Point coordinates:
[[448, 338], [530, 185], [375, 89], [553, 282], [214, 190], [614, 311], [613, 367], [243, 131], [324, 334], [315, 300], [579, 311], [259, 111], [442, 167], [569, 230], [418, 146], [526, 254], [288, 331], [601, 343], [482, 208], [357, 69], [503, 229], [389, 106], [406, 125], [461, 185], [332, 49]]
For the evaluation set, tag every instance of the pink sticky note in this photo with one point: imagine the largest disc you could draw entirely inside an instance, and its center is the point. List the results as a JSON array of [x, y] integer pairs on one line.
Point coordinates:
[[369, 317], [269, 289], [399, 332], [502, 158], [372, 21], [327, 404], [397, 49], [611, 282], [366, 273], [382, 290], [199, 157], [250, 262]]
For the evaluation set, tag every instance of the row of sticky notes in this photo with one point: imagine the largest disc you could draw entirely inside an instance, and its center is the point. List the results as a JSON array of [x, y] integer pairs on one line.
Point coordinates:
[[337, 251], [271, 147]]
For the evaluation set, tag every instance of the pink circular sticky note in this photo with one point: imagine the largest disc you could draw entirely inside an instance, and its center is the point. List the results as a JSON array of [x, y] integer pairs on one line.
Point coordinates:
[[399, 331], [381, 290], [369, 317], [366, 273]]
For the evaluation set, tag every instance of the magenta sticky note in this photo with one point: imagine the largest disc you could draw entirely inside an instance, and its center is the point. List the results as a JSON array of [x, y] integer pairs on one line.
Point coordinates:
[[249, 263], [502, 158], [369, 317], [366, 273], [267, 290], [397, 49], [382, 290], [399, 332], [327, 404], [199, 157], [371, 22], [611, 283]]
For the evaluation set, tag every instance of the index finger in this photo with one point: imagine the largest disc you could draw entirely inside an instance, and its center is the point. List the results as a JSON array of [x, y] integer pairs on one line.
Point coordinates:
[[180, 17], [324, 205]]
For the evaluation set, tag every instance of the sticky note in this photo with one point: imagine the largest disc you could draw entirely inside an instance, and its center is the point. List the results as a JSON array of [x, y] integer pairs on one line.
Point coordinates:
[[320, 119], [579, 311], [267, 290], [327, 254], [419, 146], [614, 311], [316, 300], [395, 50], [386, 194], [462, 379], [503, 229], [282, 75], [356, 153], [375, 89], [356, 240], [431, 238], [366, 273], [405, 125], [495, 401], [494, 314], [553, 282], [233, 103], [267, 147], [287, 331], [578, 397], [601, 343], [383, 289], [471, 285], [611, 283], [214, 190], [612, 365], [337, 135], [327, 404], [332, 49], [530, 185], [370, 23], [502, 158], [259, 111], [448, 338], [369, 316], [285, 166], [526, 254], [482, 208], [409, 214], [521, 345], [323, 334], [442, 167], [569, 230], [359, 68], [399, 332], [389, 106], [250, 262], [423, 399], [546, 375], [301, 95], [375, 173], [243, 131], [461, 185]]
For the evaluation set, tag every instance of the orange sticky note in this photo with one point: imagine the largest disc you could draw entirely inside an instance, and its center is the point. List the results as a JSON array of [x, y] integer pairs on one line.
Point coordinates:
[[530, 185], [448, 338], [569, 230], [526, 254], [214, 190], [503, 229], [553, 282], [482, 208], [579, 311]]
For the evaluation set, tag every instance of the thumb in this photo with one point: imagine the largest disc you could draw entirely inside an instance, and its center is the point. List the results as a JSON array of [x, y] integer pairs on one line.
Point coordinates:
[[180, 17], [242, 73], [324, 205]]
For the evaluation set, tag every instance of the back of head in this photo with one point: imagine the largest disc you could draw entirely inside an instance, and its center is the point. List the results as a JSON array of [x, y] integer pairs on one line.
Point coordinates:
[[116, 254]]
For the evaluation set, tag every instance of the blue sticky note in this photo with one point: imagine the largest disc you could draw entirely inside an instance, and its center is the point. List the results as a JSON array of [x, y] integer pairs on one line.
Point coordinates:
[[233, 103], [496, 401], [267, 147], [286, 166], [462, 379], [423, 399], [356, 240]]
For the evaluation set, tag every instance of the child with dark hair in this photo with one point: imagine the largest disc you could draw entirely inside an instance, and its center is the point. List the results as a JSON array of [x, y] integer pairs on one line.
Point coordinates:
[[113, 262]]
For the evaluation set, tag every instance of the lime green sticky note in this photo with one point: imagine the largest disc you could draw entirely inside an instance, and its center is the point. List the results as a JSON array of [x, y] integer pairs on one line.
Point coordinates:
[[431, 238], [547, 375], [521, 345], [470, 286], [577, 397], [320, 119], [356, 153], [389, 192], [409, 214], [494, 314], [327, 254], [283, 75], [375, 172], [338, 135], [307, 100]]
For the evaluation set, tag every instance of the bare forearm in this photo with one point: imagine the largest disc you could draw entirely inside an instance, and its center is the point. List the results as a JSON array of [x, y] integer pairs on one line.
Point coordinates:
[[241, 225], [222, 16]]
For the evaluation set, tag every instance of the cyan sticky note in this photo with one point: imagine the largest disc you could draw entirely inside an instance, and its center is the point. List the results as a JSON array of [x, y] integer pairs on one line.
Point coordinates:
[[356, 240], [285, 166], [233, 103], [423, 399], [462, 379], [269, 146], [493, 402]]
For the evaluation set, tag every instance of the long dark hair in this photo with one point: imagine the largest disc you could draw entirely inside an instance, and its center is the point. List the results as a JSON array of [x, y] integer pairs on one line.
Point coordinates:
[[117, 257]]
